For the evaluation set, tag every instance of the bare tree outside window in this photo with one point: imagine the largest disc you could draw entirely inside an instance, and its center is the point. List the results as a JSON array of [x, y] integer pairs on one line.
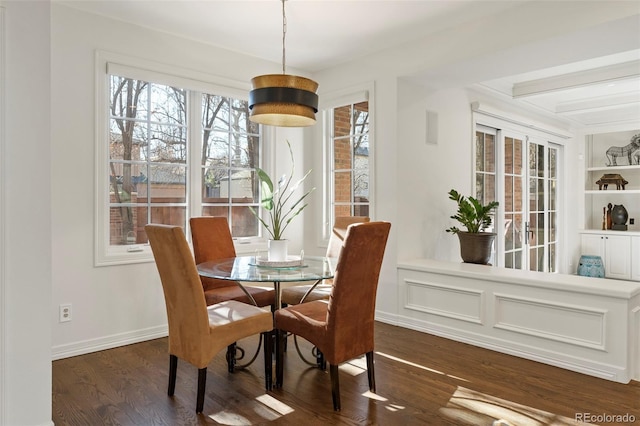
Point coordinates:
[[147, 157], [230, 155], [351, 160]]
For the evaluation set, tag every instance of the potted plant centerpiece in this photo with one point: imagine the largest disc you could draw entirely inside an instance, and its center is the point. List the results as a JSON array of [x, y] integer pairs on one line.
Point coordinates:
[[281, 206], [475, 245]]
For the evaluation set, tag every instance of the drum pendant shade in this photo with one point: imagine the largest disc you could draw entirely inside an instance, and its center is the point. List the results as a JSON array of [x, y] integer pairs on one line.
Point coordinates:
[[281, 99]]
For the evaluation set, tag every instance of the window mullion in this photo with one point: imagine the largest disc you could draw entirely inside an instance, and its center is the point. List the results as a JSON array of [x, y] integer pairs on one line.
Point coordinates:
[[194, 153]]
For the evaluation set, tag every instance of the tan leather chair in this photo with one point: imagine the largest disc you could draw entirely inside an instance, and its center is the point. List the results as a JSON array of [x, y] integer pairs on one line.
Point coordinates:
[[197, 332], [342, 327], [211, 238], [293, 295]]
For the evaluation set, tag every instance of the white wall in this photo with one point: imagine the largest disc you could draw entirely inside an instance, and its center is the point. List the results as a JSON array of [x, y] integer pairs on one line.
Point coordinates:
[[411, 178], [27, 213], [113, 304], [49, 167]]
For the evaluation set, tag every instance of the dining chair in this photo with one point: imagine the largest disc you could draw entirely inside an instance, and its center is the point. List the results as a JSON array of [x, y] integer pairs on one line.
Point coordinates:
[[197, 332], [342, 327], [211, 238], [308, 293]]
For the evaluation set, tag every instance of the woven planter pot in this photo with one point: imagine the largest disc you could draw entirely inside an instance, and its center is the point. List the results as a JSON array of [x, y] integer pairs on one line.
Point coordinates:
[[475, 247]]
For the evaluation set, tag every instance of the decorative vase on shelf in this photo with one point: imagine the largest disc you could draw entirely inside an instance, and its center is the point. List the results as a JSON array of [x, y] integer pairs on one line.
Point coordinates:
[[619, 218], [591, 266], [277, 250]]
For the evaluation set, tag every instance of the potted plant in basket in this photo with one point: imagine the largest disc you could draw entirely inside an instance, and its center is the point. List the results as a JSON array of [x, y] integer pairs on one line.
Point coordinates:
[[475, 245], [282, 207]]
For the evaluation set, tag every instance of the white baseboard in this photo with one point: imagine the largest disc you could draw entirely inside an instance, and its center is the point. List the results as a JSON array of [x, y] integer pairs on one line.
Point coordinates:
[[386, 317], [108, 342]]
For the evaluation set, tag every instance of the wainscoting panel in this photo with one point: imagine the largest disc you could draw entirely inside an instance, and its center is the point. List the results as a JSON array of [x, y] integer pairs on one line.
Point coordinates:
[[576, 325], [588, 325], [448, 301]]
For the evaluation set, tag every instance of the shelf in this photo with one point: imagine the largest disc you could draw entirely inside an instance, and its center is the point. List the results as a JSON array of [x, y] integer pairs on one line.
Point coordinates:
[[610, 232], [613, 168], [612, 191]]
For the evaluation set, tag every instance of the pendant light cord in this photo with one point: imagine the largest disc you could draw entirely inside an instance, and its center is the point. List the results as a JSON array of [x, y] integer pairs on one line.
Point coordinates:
[[284, 35]]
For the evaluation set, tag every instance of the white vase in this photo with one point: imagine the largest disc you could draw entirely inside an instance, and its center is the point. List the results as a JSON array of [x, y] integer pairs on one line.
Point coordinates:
[[277, 250]]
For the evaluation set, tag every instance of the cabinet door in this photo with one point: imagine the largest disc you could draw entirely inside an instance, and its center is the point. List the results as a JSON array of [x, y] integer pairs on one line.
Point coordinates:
[[617, 262], [635, 258], [593, 244]]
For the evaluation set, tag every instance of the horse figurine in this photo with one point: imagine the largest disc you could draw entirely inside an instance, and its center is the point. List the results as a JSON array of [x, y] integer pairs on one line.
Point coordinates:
[[623, 151]]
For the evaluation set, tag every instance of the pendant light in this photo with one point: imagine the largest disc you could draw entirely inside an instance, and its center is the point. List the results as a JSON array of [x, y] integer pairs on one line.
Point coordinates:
[[282, 99]]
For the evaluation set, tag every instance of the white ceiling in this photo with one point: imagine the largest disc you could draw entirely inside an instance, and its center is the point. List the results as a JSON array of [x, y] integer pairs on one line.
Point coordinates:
[[323, 34]]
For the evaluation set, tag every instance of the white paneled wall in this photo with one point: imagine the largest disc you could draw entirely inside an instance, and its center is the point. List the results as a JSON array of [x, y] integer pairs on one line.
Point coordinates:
[[589, 325]]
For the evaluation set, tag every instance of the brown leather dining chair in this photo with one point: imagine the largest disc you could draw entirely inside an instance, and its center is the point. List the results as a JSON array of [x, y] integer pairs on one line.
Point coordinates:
[[197, 332], [295, 294], [211, 238], [342, 328]]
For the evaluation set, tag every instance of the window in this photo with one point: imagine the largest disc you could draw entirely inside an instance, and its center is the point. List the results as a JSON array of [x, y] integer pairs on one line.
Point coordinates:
[[349, 159], [230, 154], [170, 148], [519, 168]]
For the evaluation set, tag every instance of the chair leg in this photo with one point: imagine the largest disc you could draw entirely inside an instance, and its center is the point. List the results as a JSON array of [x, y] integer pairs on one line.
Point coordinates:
[[268, 359], [371, 374], [320, 361], [202, 383], [173, 368], [280, 336], [335, 386], [231, 357]]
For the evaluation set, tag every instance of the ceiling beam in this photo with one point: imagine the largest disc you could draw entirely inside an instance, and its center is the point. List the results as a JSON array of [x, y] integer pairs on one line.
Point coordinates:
[[577, 79], [602, 103]]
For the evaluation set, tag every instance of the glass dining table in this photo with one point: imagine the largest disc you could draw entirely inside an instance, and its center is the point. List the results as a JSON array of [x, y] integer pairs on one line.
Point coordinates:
[[247, 270]]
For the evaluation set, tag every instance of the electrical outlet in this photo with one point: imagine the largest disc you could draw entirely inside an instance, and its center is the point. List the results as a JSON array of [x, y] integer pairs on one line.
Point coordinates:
[[65, 312]]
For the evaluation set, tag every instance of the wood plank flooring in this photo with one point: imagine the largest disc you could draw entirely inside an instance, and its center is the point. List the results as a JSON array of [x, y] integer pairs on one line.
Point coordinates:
[[421, 380]]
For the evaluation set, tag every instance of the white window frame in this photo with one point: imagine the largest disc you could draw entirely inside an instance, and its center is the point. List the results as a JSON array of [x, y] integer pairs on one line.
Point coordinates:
[[107, 63], [348, 96]]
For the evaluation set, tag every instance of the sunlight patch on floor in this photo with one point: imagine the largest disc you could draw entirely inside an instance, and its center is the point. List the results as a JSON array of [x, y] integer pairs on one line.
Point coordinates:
[[265, 406], [394, 407], [351, 369], [413, 364], [230, 419], [371, 395], [277, 406], [467, 406]]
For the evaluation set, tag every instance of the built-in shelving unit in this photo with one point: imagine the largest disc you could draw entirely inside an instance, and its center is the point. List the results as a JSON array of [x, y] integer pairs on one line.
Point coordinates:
[[596, 166], [618, 249]]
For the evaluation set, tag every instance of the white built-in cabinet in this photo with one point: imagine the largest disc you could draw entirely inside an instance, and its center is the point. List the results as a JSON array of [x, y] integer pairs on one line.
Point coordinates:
[[620, 250], [635, 261], [615, 251]]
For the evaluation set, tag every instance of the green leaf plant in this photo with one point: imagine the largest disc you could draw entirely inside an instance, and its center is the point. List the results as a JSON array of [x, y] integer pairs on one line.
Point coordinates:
[[278, 201], [471, 213]]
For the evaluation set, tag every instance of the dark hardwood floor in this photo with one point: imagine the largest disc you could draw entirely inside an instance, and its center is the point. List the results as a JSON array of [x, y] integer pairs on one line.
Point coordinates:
[[421, 380]]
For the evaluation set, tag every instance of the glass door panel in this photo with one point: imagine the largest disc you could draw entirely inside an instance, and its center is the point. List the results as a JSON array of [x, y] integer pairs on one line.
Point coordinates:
[[513, 202]]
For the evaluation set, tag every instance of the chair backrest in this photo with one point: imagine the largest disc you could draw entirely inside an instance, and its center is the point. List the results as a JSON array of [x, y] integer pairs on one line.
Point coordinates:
[[339, 231], [352, 302], [211, 238], [184, 299]]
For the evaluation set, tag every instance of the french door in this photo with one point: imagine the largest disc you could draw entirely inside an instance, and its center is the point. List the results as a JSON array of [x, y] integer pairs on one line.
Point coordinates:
[[526, 185]]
